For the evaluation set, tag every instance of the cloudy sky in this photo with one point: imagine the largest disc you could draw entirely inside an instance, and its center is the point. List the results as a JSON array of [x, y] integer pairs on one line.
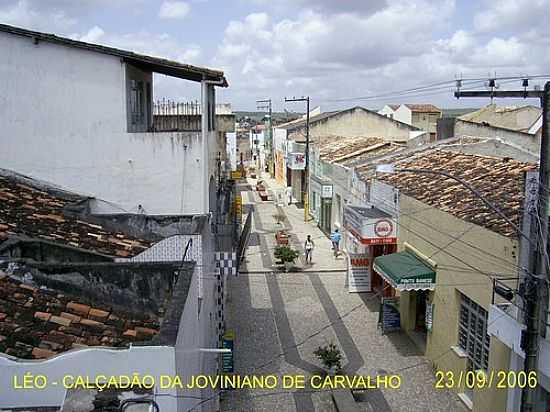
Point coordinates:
[[332, 50]]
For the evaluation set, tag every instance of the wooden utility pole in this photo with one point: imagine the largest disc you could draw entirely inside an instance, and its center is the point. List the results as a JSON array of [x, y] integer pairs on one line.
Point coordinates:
[[305, 182], [536, 282]]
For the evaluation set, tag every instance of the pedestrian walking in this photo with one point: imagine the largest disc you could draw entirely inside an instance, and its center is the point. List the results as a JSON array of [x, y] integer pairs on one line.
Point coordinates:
[[335, 238], [308, 248], [289, 195]]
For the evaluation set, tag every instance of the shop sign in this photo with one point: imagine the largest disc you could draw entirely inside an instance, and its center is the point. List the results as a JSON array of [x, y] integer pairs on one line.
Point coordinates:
[[326, 192], [297, 161], [429, 316], [236, 174], [227, 358], [370, 231], [391, 318], [359, 278]]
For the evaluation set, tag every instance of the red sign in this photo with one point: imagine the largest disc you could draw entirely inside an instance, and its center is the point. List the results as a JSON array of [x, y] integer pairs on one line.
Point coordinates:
[[359, 261], [379, 241], [383, 228]]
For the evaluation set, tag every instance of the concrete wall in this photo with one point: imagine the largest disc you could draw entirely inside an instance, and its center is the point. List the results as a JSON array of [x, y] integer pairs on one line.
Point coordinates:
[[64, 120], [198, 328], [91, 362], [426, 121], [495, 148], [427, 229], [403, 114], [525, 141], [356, 122], [519, 119], [280, 146]]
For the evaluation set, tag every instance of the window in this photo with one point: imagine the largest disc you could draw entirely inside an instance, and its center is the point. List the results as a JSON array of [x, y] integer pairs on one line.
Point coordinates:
[[137, 100], [472, 334]]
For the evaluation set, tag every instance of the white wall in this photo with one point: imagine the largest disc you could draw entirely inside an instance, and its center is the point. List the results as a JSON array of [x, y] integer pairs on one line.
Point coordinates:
[[403, 114], [92, 362], [232, 149], [63, 116], [387, 111]]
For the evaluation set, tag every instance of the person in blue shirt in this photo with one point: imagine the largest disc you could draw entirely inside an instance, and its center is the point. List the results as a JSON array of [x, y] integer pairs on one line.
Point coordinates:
[[335, 238]]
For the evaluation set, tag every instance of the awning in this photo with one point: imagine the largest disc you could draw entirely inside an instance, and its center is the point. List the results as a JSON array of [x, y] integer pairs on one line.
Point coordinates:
[[405, 271]]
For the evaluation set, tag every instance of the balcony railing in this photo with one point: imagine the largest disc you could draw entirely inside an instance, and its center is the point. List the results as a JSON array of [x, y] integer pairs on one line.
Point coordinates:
[[170, 116]]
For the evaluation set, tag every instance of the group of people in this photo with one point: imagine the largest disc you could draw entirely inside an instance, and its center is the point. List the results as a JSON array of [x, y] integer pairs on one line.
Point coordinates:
[[309, 245]]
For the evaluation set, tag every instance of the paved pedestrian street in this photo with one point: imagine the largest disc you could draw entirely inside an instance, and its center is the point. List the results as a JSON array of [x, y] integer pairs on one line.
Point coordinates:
[[280, 319]]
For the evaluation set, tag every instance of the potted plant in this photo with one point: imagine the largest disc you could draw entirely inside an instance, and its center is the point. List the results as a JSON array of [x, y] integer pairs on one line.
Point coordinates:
[[286, 256], [330, 356]]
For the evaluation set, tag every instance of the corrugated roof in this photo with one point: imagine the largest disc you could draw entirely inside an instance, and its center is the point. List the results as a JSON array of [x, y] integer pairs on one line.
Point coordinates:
[[37, 213], [500, 181], [155, 64]]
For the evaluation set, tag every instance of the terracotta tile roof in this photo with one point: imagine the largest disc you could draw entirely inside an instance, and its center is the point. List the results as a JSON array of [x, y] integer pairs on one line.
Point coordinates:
[[341, 147], [499, 180], [39, 323], [423, 108], [370, 155], [36, 213]]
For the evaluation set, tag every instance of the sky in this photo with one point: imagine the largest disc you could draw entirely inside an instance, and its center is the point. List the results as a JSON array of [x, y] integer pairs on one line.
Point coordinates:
[[334, 51]]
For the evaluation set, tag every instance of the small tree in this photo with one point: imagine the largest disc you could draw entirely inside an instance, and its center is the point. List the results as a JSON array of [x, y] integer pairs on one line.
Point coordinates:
[[286, 254], [330, 356]]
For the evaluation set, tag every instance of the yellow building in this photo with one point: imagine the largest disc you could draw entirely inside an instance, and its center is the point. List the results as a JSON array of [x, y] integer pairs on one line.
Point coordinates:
[[451, 248]]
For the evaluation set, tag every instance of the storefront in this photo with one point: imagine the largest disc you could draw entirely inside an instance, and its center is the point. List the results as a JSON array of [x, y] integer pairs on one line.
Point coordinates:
[[411, 277], [296, 164], [369, 233], [321, 203]]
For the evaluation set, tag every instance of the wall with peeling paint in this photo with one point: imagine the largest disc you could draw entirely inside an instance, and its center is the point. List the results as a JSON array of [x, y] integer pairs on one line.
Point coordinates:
[[64, 120]]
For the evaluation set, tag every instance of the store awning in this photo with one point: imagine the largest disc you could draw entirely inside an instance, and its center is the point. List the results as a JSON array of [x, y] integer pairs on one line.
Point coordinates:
[[405, 271]]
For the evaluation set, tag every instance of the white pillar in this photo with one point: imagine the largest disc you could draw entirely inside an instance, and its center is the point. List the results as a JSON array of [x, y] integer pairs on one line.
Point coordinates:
[[205, 132]]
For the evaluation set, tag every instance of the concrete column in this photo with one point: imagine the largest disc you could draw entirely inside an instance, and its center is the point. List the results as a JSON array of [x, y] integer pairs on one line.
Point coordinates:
[[205, 97]]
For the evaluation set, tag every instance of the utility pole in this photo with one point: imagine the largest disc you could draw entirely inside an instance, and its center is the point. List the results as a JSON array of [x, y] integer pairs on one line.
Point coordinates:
[[536, 287], [305, 182], [266, 105]]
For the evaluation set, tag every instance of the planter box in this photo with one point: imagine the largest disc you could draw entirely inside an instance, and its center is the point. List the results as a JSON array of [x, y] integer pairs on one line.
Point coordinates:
[[281, 238]]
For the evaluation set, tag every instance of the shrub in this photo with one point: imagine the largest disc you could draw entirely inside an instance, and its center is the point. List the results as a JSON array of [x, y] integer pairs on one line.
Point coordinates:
[[286, 254], [330, 356]]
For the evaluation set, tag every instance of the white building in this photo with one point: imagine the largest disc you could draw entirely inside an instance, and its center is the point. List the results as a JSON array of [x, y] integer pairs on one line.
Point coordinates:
[[80, 116], [389, 110]]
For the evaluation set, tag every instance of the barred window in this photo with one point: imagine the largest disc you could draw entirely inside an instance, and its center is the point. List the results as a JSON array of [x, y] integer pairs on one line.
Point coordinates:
[[472, 333]]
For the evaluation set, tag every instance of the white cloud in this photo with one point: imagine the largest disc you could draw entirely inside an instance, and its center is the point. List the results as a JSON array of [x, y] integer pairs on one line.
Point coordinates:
[[94, 35], [23, 13], [512, 15], [174, 10]]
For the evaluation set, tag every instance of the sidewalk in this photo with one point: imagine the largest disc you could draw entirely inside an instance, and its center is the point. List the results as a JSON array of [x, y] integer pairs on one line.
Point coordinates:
[[264, 224]]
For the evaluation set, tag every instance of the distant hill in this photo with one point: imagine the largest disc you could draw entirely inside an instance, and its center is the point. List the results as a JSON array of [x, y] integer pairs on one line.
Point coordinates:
[[258, 116], [458, 112]]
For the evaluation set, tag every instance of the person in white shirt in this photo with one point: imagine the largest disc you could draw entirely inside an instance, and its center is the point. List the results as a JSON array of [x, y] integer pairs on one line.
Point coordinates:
[[308, 248], [289, 195]]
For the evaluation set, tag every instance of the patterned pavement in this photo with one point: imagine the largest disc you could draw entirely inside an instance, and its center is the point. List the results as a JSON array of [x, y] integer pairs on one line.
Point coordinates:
[[280, 318]]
